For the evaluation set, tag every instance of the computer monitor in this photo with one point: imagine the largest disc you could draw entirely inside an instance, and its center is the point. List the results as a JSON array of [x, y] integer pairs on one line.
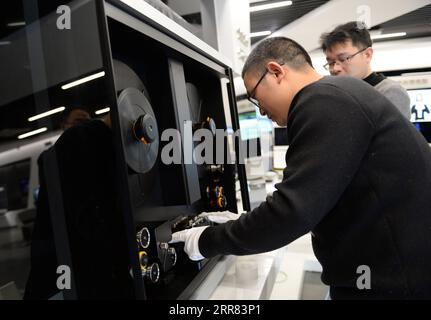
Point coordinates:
[[248, 125], [253, 124], [420, 109]]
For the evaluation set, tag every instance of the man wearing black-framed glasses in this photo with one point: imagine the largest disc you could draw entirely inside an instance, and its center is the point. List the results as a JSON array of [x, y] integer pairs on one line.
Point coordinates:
[[357, 176], [348, 50], [342, 60], [250, 96]]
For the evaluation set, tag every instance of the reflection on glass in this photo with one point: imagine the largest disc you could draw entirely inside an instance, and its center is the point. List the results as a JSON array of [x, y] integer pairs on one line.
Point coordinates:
[[37, 60], [46, 114]]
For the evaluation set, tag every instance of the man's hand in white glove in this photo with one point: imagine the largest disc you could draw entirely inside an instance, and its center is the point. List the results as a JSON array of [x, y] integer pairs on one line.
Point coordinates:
[[190, 237], [220, 216]]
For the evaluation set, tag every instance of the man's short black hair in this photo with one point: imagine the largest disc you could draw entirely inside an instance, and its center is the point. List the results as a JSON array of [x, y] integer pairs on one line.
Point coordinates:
[[354, 31], [283, 50]]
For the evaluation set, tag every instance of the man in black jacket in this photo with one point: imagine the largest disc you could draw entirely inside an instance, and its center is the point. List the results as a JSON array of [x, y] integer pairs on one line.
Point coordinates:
[[358, 177], [84, 155]]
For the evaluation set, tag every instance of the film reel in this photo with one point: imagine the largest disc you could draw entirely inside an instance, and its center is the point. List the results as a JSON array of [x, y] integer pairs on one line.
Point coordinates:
[[139, 130]]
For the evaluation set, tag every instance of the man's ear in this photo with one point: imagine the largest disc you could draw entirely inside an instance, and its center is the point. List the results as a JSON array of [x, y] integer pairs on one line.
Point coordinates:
[[276, 69], [369, 53]]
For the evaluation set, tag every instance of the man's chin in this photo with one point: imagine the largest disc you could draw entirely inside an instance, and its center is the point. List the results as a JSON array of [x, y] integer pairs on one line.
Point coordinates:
[[280, 123]]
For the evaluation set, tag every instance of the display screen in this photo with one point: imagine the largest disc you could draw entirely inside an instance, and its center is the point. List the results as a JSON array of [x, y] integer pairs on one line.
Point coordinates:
[[420, 109], [420, 105], [248, 125], [252, 124]]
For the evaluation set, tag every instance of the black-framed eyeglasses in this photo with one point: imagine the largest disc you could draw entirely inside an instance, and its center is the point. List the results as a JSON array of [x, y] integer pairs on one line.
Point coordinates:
[[250, 97], [342, 60]]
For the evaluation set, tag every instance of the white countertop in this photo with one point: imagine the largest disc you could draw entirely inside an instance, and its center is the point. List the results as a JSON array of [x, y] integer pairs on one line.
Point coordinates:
[[250, 277], [275, 275], [242, 278]]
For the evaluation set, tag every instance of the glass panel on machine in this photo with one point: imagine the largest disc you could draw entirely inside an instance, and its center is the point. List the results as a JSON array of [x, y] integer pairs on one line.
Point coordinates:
[[53, 81]]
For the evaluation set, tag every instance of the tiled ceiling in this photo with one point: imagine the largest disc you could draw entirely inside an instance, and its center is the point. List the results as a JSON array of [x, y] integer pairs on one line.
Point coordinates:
[[276, 18], [416, 23]]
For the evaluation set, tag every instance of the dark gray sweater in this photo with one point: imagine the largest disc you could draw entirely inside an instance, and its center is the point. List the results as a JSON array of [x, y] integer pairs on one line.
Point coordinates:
[[358, 176]]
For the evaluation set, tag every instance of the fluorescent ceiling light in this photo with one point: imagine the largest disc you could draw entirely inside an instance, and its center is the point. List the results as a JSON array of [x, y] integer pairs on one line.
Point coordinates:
[[424, 73], [83, 80], [270, 6], [4, 43], [260, 34], [46, 114], [32, 133], [101, 111], [16, 24], [389, 35]]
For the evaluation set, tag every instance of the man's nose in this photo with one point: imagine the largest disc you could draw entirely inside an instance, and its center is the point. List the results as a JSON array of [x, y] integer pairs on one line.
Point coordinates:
[[336, 69]]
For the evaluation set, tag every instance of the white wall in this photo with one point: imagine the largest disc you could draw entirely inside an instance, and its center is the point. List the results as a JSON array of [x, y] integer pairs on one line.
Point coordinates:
[[226, 26]]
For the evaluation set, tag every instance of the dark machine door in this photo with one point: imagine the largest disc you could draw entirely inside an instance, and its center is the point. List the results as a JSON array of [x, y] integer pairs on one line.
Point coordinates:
[[57, 97]]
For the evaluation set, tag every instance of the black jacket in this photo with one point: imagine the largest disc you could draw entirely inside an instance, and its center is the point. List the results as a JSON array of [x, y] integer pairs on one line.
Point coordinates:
[[358, 176]]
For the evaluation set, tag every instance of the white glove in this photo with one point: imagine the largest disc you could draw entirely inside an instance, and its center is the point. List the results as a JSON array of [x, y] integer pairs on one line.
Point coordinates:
[[220, 216], [190, 237]]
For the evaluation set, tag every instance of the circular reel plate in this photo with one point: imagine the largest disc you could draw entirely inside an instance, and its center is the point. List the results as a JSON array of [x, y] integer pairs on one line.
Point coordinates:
[[132, 104]]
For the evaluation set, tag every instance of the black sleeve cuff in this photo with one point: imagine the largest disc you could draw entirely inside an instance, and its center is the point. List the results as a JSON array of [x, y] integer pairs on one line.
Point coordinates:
[[206, 243]]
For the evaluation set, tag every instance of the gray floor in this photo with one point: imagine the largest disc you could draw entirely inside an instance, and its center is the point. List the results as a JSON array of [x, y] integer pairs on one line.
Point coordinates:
[[313, 288], [14, 258]]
